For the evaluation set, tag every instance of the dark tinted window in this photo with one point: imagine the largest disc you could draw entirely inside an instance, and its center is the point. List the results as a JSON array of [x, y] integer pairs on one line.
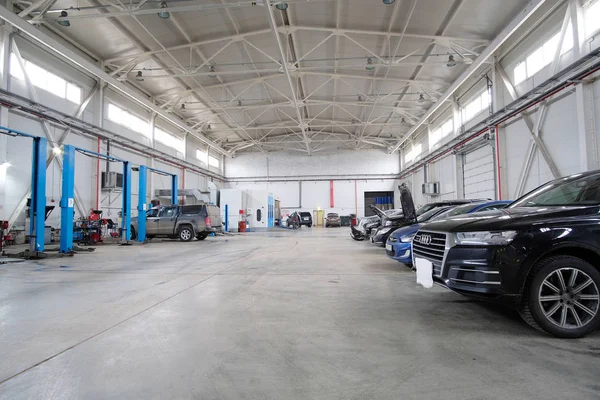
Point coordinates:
[[305, 214], [332, 215], [258, 214], [192, 210]]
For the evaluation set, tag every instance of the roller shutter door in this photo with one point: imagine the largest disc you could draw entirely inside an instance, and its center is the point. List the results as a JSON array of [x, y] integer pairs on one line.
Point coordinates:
[[479, 179]]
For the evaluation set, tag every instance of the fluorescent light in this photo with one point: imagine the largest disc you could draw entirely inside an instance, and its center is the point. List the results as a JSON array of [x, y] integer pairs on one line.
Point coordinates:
[[5, 165], [56, 150]]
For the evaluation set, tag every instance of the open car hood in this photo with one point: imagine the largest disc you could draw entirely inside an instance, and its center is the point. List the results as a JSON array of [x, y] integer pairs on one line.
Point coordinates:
[[408, 205], [377, 211]]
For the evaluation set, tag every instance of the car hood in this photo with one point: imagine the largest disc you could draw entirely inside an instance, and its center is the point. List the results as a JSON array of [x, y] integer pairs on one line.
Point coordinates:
[[408, 205], [406, 231], [510, 218]]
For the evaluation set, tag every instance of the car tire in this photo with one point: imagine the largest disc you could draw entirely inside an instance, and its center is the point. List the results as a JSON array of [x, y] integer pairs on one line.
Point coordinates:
[[185, 233], [132, 233], [202, 236], [309, 225], [562, 297]]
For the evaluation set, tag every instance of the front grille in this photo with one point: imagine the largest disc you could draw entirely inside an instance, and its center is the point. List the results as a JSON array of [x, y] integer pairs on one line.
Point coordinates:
[[432, 250]]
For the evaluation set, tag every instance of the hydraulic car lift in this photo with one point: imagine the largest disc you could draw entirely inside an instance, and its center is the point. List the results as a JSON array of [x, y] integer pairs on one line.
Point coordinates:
[[68, 193], [143, 178], [37, 211]]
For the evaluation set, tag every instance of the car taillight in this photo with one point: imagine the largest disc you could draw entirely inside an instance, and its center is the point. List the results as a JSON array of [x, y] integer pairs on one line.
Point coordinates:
[[207, 221]]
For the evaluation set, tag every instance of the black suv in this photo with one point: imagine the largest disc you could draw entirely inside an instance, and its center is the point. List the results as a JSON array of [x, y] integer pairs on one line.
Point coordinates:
[[540, 255], [306, 219]]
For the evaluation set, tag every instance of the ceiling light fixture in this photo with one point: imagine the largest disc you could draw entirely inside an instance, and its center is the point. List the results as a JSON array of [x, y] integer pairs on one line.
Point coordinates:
[[370, 66], [64, 14], [451, 61], [213, 72], [182, 108], [239, 103], [281, 6], [139, 77], [360, 99], [421, 98], [56, 150], [388, 2], [164, 14], [403, 121]]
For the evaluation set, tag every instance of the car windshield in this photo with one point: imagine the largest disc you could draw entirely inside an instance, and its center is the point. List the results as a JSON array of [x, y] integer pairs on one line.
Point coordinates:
[[459, 210], [428, 215], [572, 191]]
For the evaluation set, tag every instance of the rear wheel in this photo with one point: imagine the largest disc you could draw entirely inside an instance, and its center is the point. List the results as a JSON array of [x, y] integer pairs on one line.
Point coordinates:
[[133, 233], [563, 297], [185, 233], [202, 236]]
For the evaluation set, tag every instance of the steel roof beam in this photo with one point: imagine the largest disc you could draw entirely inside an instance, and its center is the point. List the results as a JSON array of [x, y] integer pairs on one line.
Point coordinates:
[[506, 33], [93, 69]]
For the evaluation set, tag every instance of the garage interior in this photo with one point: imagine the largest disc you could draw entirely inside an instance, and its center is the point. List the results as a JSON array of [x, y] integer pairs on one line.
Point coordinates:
[[251, 114]]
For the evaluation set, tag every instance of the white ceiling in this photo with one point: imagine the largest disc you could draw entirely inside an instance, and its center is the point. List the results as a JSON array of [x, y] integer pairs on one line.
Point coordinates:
[[247, 104]]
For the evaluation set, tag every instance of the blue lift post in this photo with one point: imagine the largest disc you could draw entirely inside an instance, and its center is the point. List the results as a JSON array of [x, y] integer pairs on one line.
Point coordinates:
[[126, 222], [67, 213], [226, 218], [174, 191], [143, 177], [37, 209]]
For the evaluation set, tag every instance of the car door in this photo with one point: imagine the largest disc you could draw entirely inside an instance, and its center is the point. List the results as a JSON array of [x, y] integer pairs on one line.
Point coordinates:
[[152, 221], [166, 220]]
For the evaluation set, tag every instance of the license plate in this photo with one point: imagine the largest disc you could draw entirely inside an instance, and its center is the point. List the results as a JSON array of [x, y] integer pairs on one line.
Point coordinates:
[[388, 247], [306, 219], [424, 272]]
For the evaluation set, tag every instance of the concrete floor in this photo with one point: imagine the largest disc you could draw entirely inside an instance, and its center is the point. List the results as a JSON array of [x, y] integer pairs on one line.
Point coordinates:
[[307, 314]]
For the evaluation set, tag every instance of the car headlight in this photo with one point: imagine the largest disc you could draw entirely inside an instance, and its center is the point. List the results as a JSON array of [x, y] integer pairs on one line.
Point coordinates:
[[383, 231], [387, 223], [407, 239], [392, 239], [486, 238]]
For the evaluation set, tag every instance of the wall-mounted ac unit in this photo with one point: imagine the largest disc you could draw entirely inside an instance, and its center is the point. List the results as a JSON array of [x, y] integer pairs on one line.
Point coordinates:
[[112, 180], [431, 188]]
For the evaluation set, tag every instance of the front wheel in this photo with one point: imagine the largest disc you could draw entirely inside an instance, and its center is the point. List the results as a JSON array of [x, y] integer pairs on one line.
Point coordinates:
[[563, 297], [185, 234], [132, 233]]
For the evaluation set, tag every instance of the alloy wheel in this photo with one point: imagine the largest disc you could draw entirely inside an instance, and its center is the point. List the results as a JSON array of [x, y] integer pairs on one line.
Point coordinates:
[[186, 234], [569, 298]]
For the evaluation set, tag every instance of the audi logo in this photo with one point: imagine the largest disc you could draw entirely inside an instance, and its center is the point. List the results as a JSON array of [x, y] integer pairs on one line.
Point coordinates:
[[425, 239]]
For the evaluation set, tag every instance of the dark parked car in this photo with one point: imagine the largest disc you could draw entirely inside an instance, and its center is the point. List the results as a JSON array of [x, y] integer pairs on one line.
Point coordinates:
[[540, 255], [306, 219], [333, 219], [293, 220]]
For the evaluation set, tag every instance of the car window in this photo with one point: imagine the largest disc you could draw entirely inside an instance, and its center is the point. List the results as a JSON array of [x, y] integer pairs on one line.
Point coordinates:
[[567, 192], [153, 212], [168, 212], [331, 215], [430, 214], [492, 207]]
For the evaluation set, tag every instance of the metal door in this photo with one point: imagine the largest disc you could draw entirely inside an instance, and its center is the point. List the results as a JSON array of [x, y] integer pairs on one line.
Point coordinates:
[[166, 220], [479, 175]]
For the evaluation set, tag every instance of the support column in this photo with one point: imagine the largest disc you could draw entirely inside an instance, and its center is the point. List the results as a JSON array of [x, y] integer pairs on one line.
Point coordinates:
[[5, 59], [126, 224], [67, 213], [586, 127], [174, 191], [141, 233], [459, 160], [37, 210]]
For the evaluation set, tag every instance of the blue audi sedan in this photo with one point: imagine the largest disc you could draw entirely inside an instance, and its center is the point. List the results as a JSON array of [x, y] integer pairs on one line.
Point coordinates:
[[397, 246]]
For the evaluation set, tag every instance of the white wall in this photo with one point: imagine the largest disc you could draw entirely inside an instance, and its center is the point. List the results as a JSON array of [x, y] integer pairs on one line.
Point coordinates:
[[303, 182]]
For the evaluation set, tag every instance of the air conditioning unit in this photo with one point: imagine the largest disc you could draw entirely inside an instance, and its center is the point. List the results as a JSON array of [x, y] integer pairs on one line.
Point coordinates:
[[112, 180], [431, 188]]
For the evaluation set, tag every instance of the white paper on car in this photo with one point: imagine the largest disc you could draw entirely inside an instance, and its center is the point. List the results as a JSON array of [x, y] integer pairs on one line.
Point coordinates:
[[424, 272]]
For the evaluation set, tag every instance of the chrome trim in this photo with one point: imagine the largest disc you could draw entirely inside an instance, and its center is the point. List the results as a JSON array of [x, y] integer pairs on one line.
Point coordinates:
[[449, 243], [475, 270], [475, 282]]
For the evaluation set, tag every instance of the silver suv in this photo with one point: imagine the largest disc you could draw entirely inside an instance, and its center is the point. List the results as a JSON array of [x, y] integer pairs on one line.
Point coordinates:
[[183, 222]]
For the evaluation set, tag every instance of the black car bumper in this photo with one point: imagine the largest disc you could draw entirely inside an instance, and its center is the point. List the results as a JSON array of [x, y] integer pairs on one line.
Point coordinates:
[[482, 272]]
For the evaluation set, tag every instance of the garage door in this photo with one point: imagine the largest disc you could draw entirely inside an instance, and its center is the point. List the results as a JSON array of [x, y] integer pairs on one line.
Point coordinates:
[[479, 179]]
